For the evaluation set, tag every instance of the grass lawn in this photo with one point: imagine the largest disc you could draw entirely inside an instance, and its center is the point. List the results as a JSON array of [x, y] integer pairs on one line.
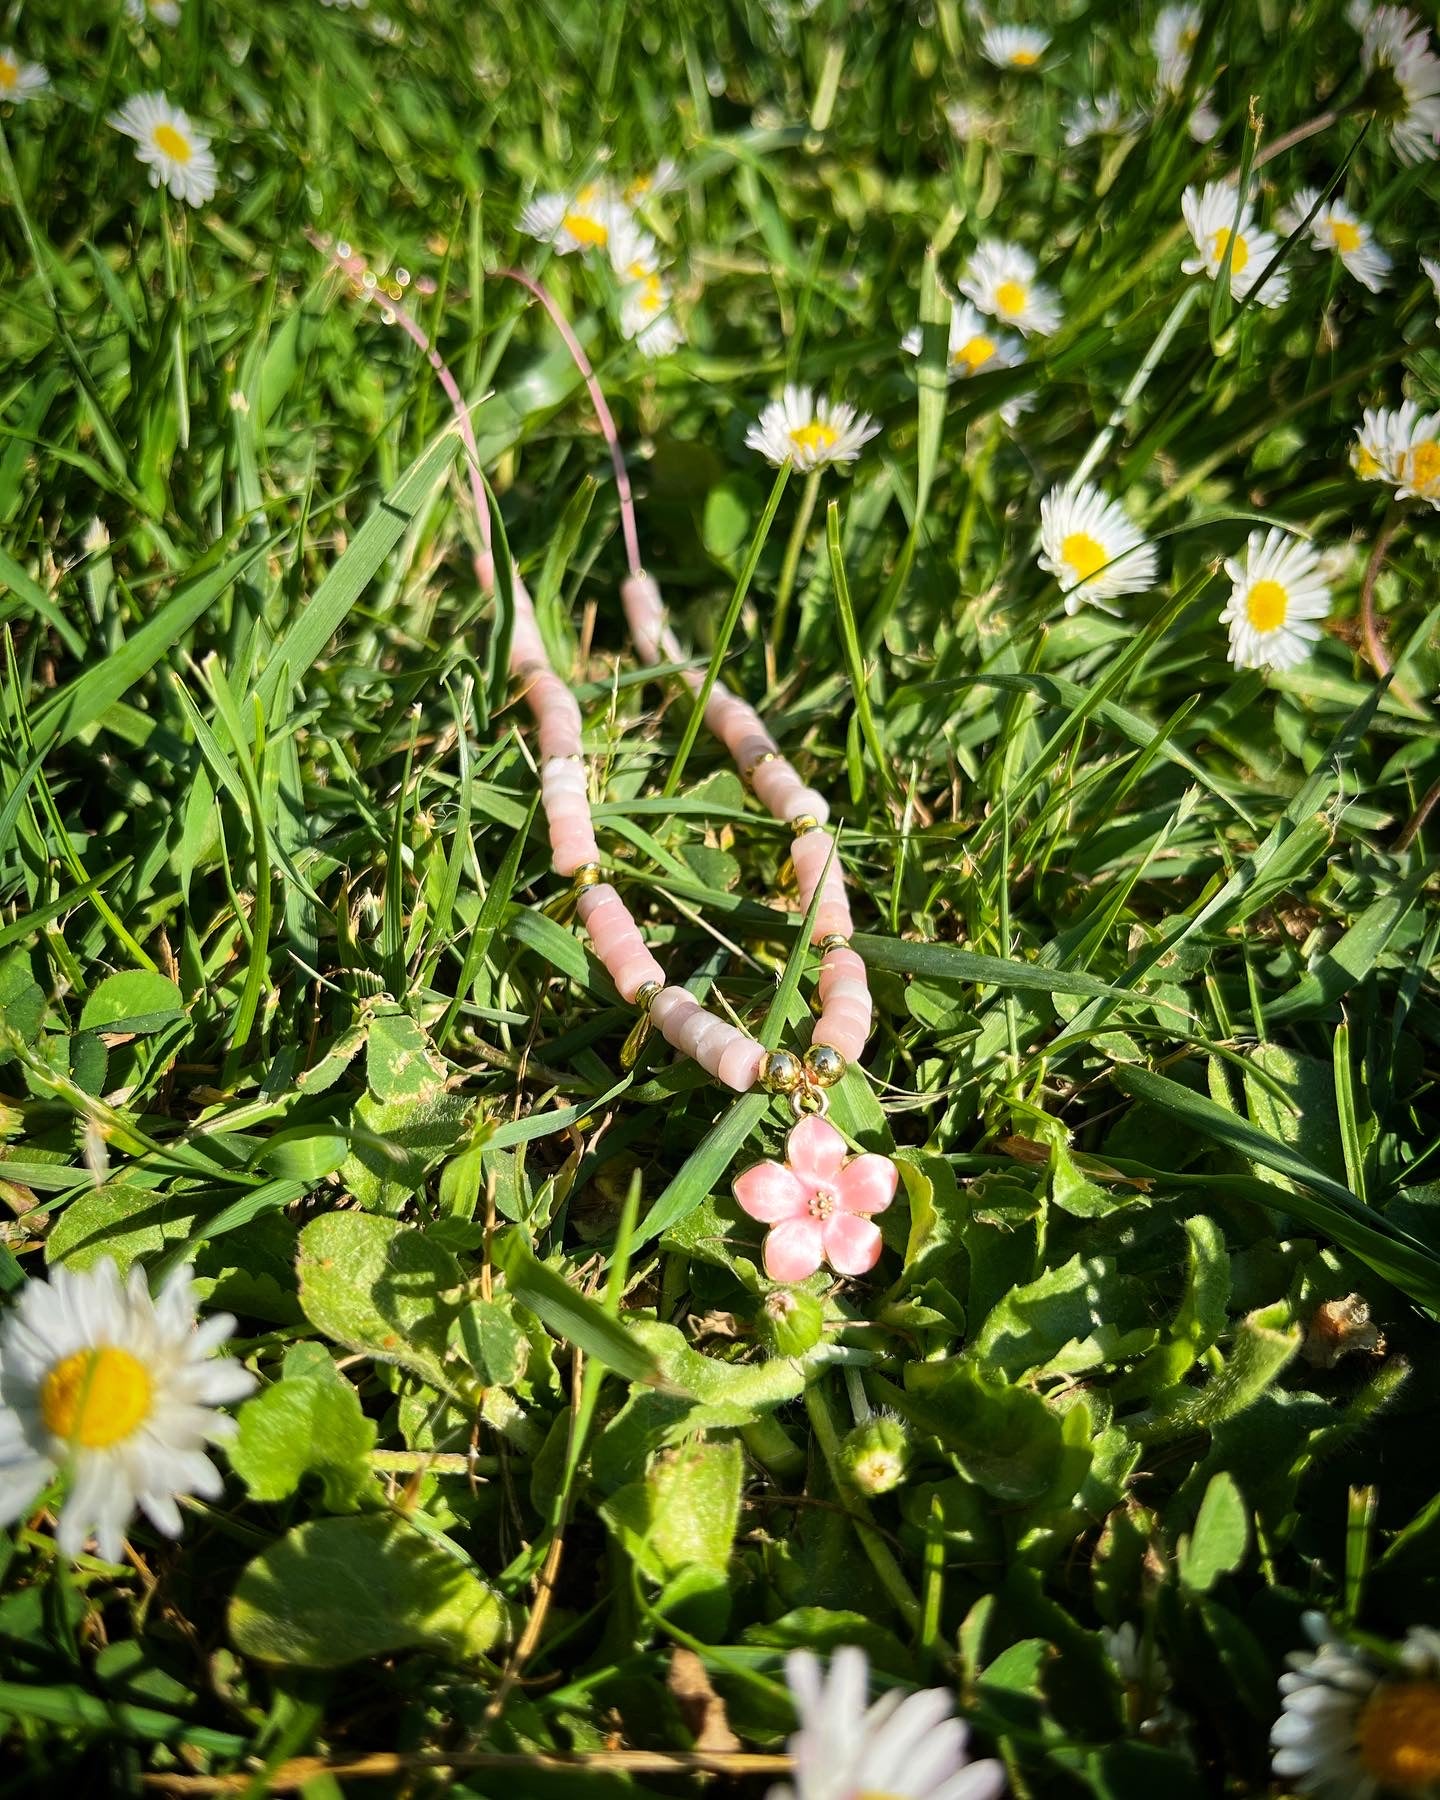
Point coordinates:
[[529, 1460]]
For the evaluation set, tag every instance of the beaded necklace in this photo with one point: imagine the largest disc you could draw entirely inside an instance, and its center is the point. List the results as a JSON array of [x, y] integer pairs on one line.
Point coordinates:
[[816, 1188]]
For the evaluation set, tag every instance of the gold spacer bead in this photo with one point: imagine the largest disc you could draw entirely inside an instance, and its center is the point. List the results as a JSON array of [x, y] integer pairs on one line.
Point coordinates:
[[781, 1072], [833, 940], [824, 1065], [803, 822], [750, 768], [588, 875], [647, 993]]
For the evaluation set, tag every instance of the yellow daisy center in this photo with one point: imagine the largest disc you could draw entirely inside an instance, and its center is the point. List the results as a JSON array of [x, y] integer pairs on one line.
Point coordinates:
[[1081, 553], [1024, 59], [1239, 256], [1399, 1734], [172, 143], [1424, 464], [9, 72], [1344, 235], [94, 1398], [815, 436], [1266, 605], [974, 352], [650, 295], [1367, 464], [1010, 296], [586, 230]]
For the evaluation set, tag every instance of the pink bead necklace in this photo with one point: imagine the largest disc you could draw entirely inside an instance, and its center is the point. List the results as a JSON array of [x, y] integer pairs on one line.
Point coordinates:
[[815, 1201]]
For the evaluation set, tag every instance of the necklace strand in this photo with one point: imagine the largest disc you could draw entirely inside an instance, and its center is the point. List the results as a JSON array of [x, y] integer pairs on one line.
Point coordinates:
[[725, 1052]]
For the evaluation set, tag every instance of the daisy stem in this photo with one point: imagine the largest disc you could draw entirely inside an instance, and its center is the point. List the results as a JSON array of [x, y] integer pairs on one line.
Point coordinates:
[[791, 563], [882, 1558], [12, 184], [1289, 139], [1138, 383]]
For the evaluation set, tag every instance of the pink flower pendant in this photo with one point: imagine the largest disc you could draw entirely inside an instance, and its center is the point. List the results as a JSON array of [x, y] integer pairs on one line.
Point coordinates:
[[815, 1203]]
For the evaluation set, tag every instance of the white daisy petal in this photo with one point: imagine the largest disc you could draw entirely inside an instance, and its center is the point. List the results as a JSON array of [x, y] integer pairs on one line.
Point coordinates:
[[1276, 601], [170, 146], [812, 432], [1013, 46], [20, 80], [1000, 279], [1092, 548], [1210, 215], [1404, 76]]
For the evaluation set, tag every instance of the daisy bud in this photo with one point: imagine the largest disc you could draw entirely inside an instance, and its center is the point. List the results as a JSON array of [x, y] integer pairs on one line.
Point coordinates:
[[876, 1455], [791, 1321]]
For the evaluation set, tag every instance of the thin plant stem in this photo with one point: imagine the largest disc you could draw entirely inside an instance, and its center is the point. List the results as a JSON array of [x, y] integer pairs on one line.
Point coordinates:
[[804, 513]]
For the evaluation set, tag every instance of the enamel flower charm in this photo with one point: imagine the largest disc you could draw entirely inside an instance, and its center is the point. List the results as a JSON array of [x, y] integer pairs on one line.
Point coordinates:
[[816, 1203]]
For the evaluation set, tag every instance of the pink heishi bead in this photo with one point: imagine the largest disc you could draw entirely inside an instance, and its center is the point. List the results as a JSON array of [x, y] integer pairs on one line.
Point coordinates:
[[776, 784], [593, 898], [849, 1040], [665, 1005], [807, 802], [740, 1064], [634, 972]]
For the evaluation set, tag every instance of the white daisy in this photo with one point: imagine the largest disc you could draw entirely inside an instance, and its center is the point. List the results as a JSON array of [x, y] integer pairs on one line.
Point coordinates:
[[632, 249], [974, 346], [170, 147], [118, 1392], [1432, 272], [20, 80], [164, 12], [967, 120], [581, 221], [809, 431], [1352, 1724], [1103, 116], [1210, 214], [1277, 600], [1403, 81], [664, 178], [1013, 46], [1403, 448], [909, 1747], [1000, 279], [1335, 227], [647, 316], [1092, 547], [1204, 121], [1173, 41]]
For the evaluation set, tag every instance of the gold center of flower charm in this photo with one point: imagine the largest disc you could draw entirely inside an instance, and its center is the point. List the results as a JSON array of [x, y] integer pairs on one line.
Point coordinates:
[[1424, 465], [814, 436], [822, 1205], [1266, 605], [1399, 1734], [1010, 296], [1344, 235], [1239, 256], [1080, 551], [169, 142], [977, 351], [587, 231], [93, 1398]]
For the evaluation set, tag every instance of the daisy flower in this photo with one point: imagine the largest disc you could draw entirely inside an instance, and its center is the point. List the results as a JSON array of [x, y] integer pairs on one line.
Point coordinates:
[[119, 1392], [1210, 214], [1335, 227], [1402, 447], [170, 147], [811, 432], [164, 12], [1013, 46], [1173, 41], [1277, 600], [632, 250], [1092, 548], [973, 344], [647, 318], [906, 1748], [967, 120], [1432, 272], [664, 178], [1000, 279], [1104, 116], [1204, 121], [582, 221], [1404, 81], [20, 80], [1351, 1724]]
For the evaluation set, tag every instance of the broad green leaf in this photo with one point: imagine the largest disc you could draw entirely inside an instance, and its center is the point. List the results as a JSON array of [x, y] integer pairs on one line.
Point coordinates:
[[127, 1223], [306, 1424], [394, 1143], [1222, 1533], [335, 1591], [134, 1001], [399, 1063], [685, 1511], [569, 1313]]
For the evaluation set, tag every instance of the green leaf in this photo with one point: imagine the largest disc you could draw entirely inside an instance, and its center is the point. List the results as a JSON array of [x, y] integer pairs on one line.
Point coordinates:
[[135, 1001], [394, 1143], [399, 1062], [306, 1425], [335, 1591], [380, 1288], [1221, 1536], [685, 1512], [1199, 1319], [568, 1312], [1004, 1439], [129, 1224]]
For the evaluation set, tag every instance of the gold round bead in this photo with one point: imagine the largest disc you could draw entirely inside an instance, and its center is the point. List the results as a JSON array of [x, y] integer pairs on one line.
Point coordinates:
[[647, 993], [802, 823], [833, 940], [781, 1072], [824, 1065], [588, 875]]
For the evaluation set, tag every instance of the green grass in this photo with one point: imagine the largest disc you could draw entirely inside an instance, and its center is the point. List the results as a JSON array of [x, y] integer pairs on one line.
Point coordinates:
[[1153, 943]]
